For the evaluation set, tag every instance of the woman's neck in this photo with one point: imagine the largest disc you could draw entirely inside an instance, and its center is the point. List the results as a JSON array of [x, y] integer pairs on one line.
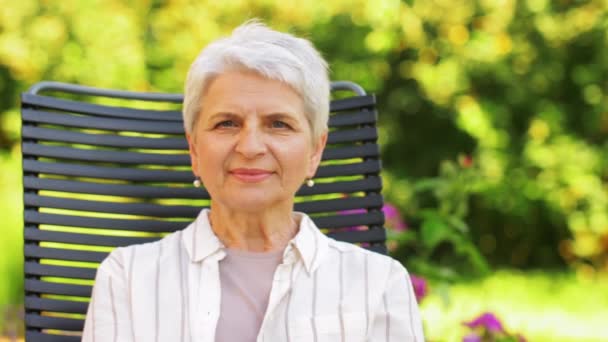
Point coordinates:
[[264, 231]]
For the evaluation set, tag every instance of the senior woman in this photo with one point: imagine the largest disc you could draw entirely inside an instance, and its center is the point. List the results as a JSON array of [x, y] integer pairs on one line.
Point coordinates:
[[250, 268]]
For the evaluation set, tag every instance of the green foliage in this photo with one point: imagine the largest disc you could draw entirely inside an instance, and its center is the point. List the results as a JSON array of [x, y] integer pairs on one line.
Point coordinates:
[[11, 245], [442, 246]]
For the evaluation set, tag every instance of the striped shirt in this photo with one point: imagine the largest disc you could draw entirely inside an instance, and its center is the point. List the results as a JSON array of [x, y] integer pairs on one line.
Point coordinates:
[[324, 290]]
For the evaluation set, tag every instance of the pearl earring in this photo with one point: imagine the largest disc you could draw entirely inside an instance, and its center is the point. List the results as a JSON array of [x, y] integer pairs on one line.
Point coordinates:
[[197, 182], [310, 183]]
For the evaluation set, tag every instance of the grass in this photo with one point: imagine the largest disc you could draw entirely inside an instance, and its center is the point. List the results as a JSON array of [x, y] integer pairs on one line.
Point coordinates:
[[541, 306]]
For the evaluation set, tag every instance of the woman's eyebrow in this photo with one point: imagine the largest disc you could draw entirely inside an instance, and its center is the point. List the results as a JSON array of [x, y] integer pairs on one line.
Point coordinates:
[[281, 116], [222, 115], [284, 116]]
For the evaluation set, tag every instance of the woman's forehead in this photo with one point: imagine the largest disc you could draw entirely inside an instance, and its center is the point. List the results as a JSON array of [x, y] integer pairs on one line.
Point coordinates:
[[243, 92]]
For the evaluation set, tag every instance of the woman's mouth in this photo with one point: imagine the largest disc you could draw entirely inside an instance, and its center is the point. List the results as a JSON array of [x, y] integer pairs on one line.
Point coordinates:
[[250, 175]]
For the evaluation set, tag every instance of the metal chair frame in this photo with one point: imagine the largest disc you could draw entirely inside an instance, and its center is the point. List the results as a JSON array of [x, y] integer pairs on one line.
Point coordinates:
[[100, 176]]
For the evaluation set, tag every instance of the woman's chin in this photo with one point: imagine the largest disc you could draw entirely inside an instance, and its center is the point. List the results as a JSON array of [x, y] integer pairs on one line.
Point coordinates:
[[252, 201]]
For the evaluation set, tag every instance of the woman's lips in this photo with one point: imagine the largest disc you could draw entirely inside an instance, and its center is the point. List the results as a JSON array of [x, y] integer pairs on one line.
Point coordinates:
[[250, 175]]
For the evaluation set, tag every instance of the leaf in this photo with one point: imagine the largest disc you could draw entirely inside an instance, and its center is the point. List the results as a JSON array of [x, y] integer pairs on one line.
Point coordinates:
[[401, 237], [459, 224], [427, 184], [469, 250], [431, 270], [434, 231]]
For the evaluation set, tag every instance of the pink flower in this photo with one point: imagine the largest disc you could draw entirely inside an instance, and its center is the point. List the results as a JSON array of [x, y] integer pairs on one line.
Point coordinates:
[[488, 326], [353, 211], [391, 214], [393, 217], [472, 337], [488, 321], [420, 287]]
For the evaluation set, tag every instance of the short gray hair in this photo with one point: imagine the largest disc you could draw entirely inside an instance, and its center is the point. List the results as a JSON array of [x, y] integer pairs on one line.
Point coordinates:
[[271, 54]]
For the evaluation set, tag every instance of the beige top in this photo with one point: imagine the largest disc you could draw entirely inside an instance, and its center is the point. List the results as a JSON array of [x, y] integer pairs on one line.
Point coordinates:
[[323, 290], [245, 280]]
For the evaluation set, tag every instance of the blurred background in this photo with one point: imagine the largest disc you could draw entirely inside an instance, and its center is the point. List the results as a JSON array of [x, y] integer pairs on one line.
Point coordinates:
[[493, 129]]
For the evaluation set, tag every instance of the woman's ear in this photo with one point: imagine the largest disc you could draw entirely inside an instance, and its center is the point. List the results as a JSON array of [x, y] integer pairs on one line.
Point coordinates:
[[193, 154], [317, 154]]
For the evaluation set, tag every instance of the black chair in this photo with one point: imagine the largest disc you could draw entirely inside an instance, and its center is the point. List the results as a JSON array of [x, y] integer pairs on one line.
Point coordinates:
[[104, 168]]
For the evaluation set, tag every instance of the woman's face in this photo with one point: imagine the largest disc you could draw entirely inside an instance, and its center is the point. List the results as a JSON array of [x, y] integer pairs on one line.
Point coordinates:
[[252, 145]]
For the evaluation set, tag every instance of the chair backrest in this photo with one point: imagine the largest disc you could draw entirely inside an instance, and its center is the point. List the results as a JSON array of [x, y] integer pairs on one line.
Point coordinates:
[[104, 168]]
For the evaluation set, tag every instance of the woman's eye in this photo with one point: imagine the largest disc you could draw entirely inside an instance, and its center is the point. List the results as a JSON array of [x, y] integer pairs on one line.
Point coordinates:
[[226, 124], [279, 124]]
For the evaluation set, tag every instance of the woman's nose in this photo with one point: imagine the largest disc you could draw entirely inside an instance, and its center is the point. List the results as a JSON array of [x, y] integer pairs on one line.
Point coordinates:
[[250, 143]]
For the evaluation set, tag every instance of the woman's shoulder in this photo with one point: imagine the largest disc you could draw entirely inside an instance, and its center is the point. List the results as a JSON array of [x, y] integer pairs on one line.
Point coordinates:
[[373, 259], [359, 265], [351, 248], [143, 253]]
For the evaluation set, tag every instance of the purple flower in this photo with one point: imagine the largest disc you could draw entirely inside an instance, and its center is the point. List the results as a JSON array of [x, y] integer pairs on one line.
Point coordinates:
[[420, 287], [488, 321], [472, 337], [391, 213], [353, 211], [393, 217]]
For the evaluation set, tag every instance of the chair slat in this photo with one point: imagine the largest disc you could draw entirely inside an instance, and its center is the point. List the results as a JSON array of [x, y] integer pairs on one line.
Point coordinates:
[[114, 124], [138, 225], [44, 337], [358, 151], [121, 241], [108, 140], [353, 118], [160, 125], [184, 211], [123, 157], [322, 206], [32, 251], [367, 101], [139, 158], [145, 209], [125, 190], [32, 216], [371, 184], [30, 100], [45, 287], [342, 221], [33, 268], [56, 305], [363, 134], [59, 323], [371, 235], [102, 172], [367, 167], [35, 234], [353, 135], [147, 175]]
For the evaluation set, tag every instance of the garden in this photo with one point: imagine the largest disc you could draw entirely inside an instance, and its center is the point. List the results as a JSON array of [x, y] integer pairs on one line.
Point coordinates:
[[493, 128]]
